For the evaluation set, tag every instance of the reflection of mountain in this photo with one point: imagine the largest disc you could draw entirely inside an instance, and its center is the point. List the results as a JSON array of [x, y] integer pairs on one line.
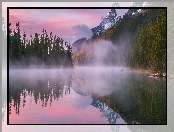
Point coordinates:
[[140, 101], [80, 92], [83, 84], [107, 112], [137, 98], [41, 87], [95, 80], [79, 83]]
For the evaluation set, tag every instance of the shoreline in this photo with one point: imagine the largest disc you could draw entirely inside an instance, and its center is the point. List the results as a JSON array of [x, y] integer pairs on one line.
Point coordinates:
[[142, 70], [150, 73]]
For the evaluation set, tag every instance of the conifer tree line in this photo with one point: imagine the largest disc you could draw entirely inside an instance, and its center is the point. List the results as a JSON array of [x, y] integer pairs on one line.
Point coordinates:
[[44, 50], [144, 38], [149, 49]]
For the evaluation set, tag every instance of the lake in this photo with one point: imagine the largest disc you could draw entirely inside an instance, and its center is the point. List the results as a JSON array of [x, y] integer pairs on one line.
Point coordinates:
[[110, 95]]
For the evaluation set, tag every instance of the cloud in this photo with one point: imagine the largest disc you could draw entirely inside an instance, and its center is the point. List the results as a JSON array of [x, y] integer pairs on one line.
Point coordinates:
[[81, 31], [58, 21]]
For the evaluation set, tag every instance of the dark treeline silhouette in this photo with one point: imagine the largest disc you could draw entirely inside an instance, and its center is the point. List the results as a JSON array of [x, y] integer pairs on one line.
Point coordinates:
[[42, 91], [41, 51]]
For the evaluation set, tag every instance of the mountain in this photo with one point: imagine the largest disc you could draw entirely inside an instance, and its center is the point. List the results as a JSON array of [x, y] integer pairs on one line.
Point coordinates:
[[107, 22], [77, 45], [110, 19], [114, 45]]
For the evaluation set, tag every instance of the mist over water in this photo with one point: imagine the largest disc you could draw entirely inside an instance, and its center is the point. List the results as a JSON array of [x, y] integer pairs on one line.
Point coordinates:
[[101, 89], [98, 80], [77, 95]]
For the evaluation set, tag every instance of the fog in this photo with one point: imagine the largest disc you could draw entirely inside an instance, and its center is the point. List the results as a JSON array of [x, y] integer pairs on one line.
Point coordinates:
[[83, 80], [46, 86], [100, 53], [108, 54], [99, 81], [73, 90]]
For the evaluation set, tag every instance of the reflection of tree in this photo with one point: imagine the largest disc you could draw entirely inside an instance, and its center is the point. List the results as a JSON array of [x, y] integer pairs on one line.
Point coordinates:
[[15, 96], [44, 90], [141, 100], [137, 98]]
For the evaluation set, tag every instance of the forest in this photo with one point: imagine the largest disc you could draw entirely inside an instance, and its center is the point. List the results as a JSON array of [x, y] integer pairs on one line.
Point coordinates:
[[42, 51], [140, 41], [150, 47], [142, 38]]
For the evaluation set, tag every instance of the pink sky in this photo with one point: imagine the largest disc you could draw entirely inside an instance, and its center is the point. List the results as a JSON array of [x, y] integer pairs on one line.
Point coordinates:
[[54, 128], [62, 111], [58, 21]]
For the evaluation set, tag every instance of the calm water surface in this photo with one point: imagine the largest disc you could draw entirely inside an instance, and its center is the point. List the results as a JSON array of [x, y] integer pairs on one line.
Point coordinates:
[[85, 96]]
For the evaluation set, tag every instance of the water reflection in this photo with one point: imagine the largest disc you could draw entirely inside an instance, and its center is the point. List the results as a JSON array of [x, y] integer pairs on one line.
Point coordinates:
[[107, 112], [42, 86], [120, 97], [136, 97]]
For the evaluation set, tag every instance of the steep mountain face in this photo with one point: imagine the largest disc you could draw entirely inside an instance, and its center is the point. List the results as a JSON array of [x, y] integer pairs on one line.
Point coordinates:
[[121, 35], [83, 48], [110, 19], [77, 45]]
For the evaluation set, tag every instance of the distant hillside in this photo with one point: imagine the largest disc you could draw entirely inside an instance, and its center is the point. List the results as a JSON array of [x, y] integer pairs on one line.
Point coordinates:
[[122, 34], [78, 44]]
